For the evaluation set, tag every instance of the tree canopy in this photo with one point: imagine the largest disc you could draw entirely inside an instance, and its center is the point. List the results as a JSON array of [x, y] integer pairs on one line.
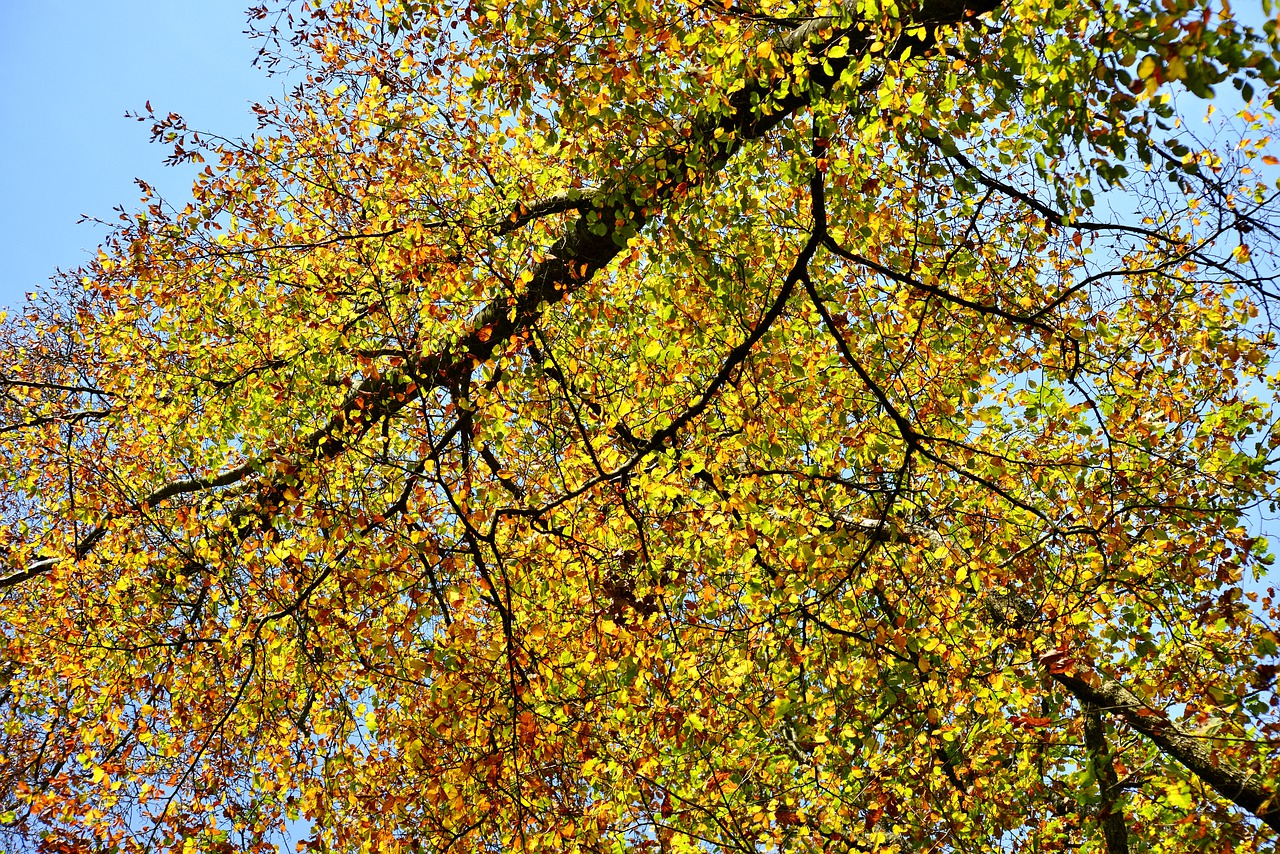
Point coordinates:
[[666, 426]]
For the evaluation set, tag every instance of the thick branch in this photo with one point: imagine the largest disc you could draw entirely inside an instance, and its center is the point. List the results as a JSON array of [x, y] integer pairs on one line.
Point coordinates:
[[1235, 784], [1099, 691], [1111, 810], [624, 203]]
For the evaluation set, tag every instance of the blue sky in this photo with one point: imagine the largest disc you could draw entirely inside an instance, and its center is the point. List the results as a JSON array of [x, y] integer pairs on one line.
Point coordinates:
[[71, 68]]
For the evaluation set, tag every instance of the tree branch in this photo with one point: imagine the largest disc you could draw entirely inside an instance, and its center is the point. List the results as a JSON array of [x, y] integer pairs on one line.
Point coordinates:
[[591, 242], [1235, 784], [1111, 809]]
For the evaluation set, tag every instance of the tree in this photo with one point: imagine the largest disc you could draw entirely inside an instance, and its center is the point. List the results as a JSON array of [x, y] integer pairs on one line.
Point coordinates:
[[666, 426]]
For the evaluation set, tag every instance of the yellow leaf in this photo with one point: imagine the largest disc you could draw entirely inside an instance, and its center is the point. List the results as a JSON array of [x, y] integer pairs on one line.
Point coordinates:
[[1179, 796]]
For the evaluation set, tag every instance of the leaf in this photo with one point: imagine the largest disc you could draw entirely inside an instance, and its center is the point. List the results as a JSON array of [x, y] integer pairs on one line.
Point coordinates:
[[1179, 797]]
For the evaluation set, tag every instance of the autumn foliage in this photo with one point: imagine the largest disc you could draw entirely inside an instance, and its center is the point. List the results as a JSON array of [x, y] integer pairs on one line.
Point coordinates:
[[666, 426]]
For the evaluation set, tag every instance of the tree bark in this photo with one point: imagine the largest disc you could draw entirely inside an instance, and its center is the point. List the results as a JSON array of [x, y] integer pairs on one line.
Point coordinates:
[[1111, 809], [1235, 784]]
